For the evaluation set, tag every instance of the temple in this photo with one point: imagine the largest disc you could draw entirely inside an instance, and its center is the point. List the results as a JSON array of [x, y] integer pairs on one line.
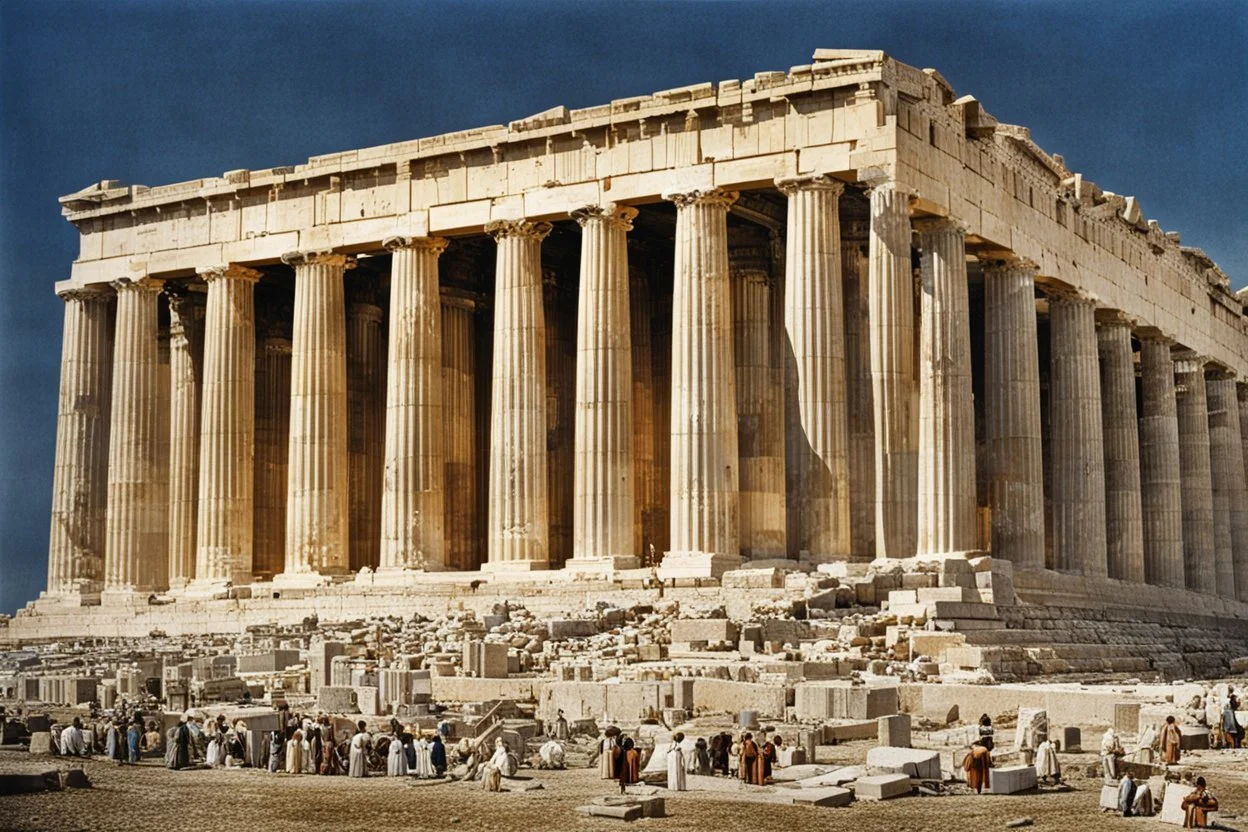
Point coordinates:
[[815, 321]]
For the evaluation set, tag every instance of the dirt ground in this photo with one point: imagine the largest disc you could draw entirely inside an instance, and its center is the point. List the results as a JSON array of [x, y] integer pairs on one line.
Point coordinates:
[[150, 797]]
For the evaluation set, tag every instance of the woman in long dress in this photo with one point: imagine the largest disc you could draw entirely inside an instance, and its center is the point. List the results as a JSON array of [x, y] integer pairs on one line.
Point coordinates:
[[608, 753], [294, 754], [676, 765], [424, 761], [358, 762], [396, 760], [1171, 742], [630, 764], [977, 765]]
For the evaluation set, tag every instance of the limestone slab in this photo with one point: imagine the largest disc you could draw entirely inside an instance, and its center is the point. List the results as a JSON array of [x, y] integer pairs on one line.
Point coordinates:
[[882, 787]]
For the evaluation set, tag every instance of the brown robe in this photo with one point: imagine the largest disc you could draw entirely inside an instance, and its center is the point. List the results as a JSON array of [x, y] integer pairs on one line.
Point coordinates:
[[751, 768], [630, 766], [1171, 737], [1196, 809], [976, 765], [768, 756]]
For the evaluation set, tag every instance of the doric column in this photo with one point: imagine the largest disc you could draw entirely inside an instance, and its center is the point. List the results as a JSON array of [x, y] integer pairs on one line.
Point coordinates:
[[559, 299], [946, 489], [641, 314], [1241, 566], [1124, 521], [818, 438], [1160, 480], [317, 507], [1199, 541], [518, 522], [1077, 445], [704, 471], [859, 397], [137, 490], [762, 486], [458, 432], [80, 477], [228, 429], [1230, 503], [272, 445], [603, 496], [418, 434], [890, 288], [1012, 388], [186, 365], [366, 428]]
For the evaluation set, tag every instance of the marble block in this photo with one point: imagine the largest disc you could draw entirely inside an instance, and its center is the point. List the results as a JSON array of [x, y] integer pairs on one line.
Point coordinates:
[[1011, 780], [913, 762], [882, 787]]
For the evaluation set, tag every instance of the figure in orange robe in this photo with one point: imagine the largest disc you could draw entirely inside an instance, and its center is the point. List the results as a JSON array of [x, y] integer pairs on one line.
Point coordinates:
[[977, 764], [1171, 740], [1197, 806], [630, 764], [751, 761]]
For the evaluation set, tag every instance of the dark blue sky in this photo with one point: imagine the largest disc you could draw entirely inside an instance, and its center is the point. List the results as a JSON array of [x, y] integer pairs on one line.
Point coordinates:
[[1144, 98]]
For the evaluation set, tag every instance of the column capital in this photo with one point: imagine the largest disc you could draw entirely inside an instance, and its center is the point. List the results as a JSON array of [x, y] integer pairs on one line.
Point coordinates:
[[276, 344], [434, 245], [92, 293], [366, 311], [1151, 334], [502, 229], [1004, 266], [228, 271], [1068, 294], [618, 216], [1106, 318], [142, 284], [892, 186], [712, 196], [789, 185], [462, 298], [938, 225], [1219, 372], [318, 257], [1190, 361]]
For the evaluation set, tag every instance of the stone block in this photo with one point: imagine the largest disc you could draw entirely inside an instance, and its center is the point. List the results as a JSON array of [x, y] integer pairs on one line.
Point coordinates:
[[1011, 779], [1172, 805], [882, 787], [898, 597], [934, 645], [912, 762], [1072, 740], [947, 593], [766, 578], [1193, 737], [824, 796], [1109, 798], [687, 630], [41, 742], [788, 756], [836, 777], [565, 628], [682, 693], [268, 662], [722, 696], [1127, 718], [628, 811], [337, 700], [895, 730], [785, 630]]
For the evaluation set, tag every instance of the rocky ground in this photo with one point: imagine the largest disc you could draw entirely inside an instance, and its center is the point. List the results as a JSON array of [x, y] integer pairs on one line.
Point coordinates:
[[149, 797]]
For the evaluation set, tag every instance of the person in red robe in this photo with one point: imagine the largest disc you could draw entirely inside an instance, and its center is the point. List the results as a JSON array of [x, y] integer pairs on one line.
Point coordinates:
[[1198, 805], [629, 763], [1171, 742], [751, 767], [977, 765], [767, 755]]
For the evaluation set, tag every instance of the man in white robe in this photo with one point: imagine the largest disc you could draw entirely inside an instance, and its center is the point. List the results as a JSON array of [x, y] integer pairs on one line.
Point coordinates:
[[358, 762], [73, 744], [424, 762], [294, 754], [1111, 750], [502, 759], [213, 757], [1143, 805], [676, 765], [1047, 766], [396, 758], [606, 758], [562, 733], [552, 755]]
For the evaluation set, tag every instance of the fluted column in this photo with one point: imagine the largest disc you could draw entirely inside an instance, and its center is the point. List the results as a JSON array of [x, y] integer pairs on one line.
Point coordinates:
[[603, 496], [228, 429], [272, 445], [317, 506], [1078, 441], [704, 473], [186, 364], [418, 435], [818, 436], [1160, 480], [1199, 540], [366, 415], [1012, 387], [1124, 521], [137, 490], [859, 397], [1241, 564], [1230, 503], [761, 483], [641, 314], [894, 383], [459, 429], [80, 477], [518, 521], [946, 489], [559, 299]]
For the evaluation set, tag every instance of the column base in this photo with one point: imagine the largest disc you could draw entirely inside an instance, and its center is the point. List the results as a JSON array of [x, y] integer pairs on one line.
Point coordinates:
[[304, 580], [516, 566], [71, 598], [396, 576], [598, 566], [206, 589], [125, 597], [803, 565], [696, 565]]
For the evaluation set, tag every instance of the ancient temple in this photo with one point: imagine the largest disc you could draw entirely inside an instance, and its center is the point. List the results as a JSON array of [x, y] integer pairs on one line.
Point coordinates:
[[833, 314]]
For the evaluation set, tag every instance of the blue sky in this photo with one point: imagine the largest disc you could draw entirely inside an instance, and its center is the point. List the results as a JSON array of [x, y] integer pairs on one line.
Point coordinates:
[[1144, 98]]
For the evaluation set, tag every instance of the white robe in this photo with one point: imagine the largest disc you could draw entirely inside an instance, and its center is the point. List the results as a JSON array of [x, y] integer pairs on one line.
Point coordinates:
[[424, 763], [551, 753], [502, 761], [294, 757], [309, 764], [72, 743], [1046, 761], [214, 753], [605, 749], [1143, 803], [396, 759], [676, 769], [358, 762]]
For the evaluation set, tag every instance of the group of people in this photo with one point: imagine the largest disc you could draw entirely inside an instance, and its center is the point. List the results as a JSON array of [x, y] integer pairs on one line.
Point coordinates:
[[743, 756], [122, 740]]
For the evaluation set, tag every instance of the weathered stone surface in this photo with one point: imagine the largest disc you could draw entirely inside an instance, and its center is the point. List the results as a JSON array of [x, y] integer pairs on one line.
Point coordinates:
[[913, 762], [882, 786], [1011, 779]]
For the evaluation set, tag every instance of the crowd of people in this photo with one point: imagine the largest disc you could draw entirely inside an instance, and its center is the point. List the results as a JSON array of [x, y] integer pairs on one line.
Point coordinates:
[[742, 756]]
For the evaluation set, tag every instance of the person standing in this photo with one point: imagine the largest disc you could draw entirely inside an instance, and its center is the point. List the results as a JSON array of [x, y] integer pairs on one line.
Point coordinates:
[[977, 765], [437, 755], [134, 739], [750, 767], [676, 765], [630, 764], [608, 757], [277, 751], [294, 753], [396, 759], [986, 731], [1126, 794], [1171, 742], [1232, 731], [360, 744]]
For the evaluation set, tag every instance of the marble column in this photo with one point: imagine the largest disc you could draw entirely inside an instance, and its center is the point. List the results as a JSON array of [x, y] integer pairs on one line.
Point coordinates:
[[366, 428], [458, 434], [603, 489], [317, 502], [1124, 520], [228, 430], [137, 489], [1078, 459], [704, 472], [1241, 566], [1012, 387], [818, 437], [1199, 541], [946, 490], [186, 365], [1230, 503], [1160, 479], [860, 410], [519, 532], [559, 300], [890, 288], [272, 445], [421, 432], [641, 313], [762, 469], [80, 477]]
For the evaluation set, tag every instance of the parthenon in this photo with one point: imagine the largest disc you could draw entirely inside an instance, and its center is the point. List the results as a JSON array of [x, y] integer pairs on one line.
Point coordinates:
[[834, 315]]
